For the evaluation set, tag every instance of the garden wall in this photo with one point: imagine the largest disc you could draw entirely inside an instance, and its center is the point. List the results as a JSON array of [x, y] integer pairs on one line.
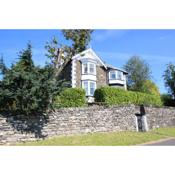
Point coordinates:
[[69, 121]]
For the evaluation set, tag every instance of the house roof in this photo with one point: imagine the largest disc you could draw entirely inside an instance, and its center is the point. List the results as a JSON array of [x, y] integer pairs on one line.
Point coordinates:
[[115, 68], [91, 54]]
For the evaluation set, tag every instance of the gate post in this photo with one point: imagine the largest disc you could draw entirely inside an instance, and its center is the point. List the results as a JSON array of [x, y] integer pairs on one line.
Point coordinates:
[[141, 120], [145, 123]]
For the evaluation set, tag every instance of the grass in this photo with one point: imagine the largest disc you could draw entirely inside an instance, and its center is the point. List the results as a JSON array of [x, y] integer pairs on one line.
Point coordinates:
[[106, 139]]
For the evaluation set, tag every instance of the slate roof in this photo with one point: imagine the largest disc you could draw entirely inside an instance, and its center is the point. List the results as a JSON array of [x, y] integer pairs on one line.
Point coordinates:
[[115, 68]]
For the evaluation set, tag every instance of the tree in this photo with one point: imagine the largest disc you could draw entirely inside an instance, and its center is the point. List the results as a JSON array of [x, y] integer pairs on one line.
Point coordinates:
[[80, 39], [3, 68], [18, 83], [28, 88], [138, 72], [60, 54], [169, 78], [167, 100], [150, 87]]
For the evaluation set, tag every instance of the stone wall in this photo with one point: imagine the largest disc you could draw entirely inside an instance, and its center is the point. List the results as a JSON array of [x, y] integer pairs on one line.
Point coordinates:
[[78, 74], [68, 121], [160, 117], [101, 76]]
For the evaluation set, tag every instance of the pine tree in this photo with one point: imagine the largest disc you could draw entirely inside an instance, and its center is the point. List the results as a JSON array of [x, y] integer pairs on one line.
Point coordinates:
[[27, 88], [3, 68]]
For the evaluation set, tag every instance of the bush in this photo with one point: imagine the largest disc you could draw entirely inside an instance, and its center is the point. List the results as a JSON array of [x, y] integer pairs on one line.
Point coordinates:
[[116, 96], [71, 97], [167, 100]]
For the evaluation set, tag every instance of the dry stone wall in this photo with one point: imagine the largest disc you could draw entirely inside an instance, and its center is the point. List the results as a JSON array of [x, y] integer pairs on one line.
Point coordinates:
[[70, 121], [160, 117]]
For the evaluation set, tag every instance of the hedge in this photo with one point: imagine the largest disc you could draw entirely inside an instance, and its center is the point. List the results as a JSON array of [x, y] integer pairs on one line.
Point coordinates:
[[71, 97], [117, 96]]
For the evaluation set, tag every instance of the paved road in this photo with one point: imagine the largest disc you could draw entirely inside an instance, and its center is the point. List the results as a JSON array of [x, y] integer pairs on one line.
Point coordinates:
[[168, 142]]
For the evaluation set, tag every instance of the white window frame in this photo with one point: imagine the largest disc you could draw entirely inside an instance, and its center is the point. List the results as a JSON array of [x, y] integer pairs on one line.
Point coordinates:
[[119, 72], [93, 65], [116, 75], [83, 68], [110, 74], [88, 68], [89, 88], [83, 85]]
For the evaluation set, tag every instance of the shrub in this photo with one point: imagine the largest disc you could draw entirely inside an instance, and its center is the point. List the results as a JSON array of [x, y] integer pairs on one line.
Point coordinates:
[[167, 100], [148, 99], [116, 96], [150, 87], [71, 97]]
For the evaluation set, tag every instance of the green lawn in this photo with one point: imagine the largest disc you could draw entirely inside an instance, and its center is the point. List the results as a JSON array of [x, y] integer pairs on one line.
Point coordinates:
[[106, 139]]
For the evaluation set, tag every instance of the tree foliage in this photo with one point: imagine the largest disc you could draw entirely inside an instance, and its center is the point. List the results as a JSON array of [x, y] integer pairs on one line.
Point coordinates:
[[3, 68], [167, 100], [26, 87], [60, 54], [80, 39], [150, 87], [169, 78], [138, 72]]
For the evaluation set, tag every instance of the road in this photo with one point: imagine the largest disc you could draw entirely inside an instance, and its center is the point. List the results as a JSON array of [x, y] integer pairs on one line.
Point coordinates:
[[165, 142]]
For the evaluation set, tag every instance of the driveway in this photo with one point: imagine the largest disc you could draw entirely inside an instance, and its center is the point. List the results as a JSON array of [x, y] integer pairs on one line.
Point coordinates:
[[164, 142]]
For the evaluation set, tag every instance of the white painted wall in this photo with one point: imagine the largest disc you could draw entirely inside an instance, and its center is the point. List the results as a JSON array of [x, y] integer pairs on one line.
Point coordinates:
[[116, 82], [73, 72], [89, 77]]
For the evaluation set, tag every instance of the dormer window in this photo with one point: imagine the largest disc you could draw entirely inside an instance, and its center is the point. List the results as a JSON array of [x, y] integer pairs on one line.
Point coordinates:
[[89, 68]]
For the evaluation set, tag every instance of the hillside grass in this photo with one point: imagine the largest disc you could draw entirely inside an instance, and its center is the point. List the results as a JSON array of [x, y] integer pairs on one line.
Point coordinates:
[[106, 139]]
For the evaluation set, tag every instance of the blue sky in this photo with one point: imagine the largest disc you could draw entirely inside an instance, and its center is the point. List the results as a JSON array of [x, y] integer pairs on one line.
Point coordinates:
[[157, 47]]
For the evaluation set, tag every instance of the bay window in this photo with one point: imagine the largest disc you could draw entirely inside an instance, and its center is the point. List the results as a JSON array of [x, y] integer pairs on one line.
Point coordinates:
[[115, 75], [85, 84], [85, 68], [92, 88], [92, 68], [89, 68], [119, 75], [89, 87]]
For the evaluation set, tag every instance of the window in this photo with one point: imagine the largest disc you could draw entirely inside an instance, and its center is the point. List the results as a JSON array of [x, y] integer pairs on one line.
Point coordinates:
[[112, 75], [89, 87], [92, 88], [86, 86], [89, 68], [116, 75], [92, 68], [119, 75], [85, 68]]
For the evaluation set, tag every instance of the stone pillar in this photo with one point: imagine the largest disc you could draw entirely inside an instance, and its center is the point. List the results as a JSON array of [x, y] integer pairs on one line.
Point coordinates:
[[145, 123], [136, 122]]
